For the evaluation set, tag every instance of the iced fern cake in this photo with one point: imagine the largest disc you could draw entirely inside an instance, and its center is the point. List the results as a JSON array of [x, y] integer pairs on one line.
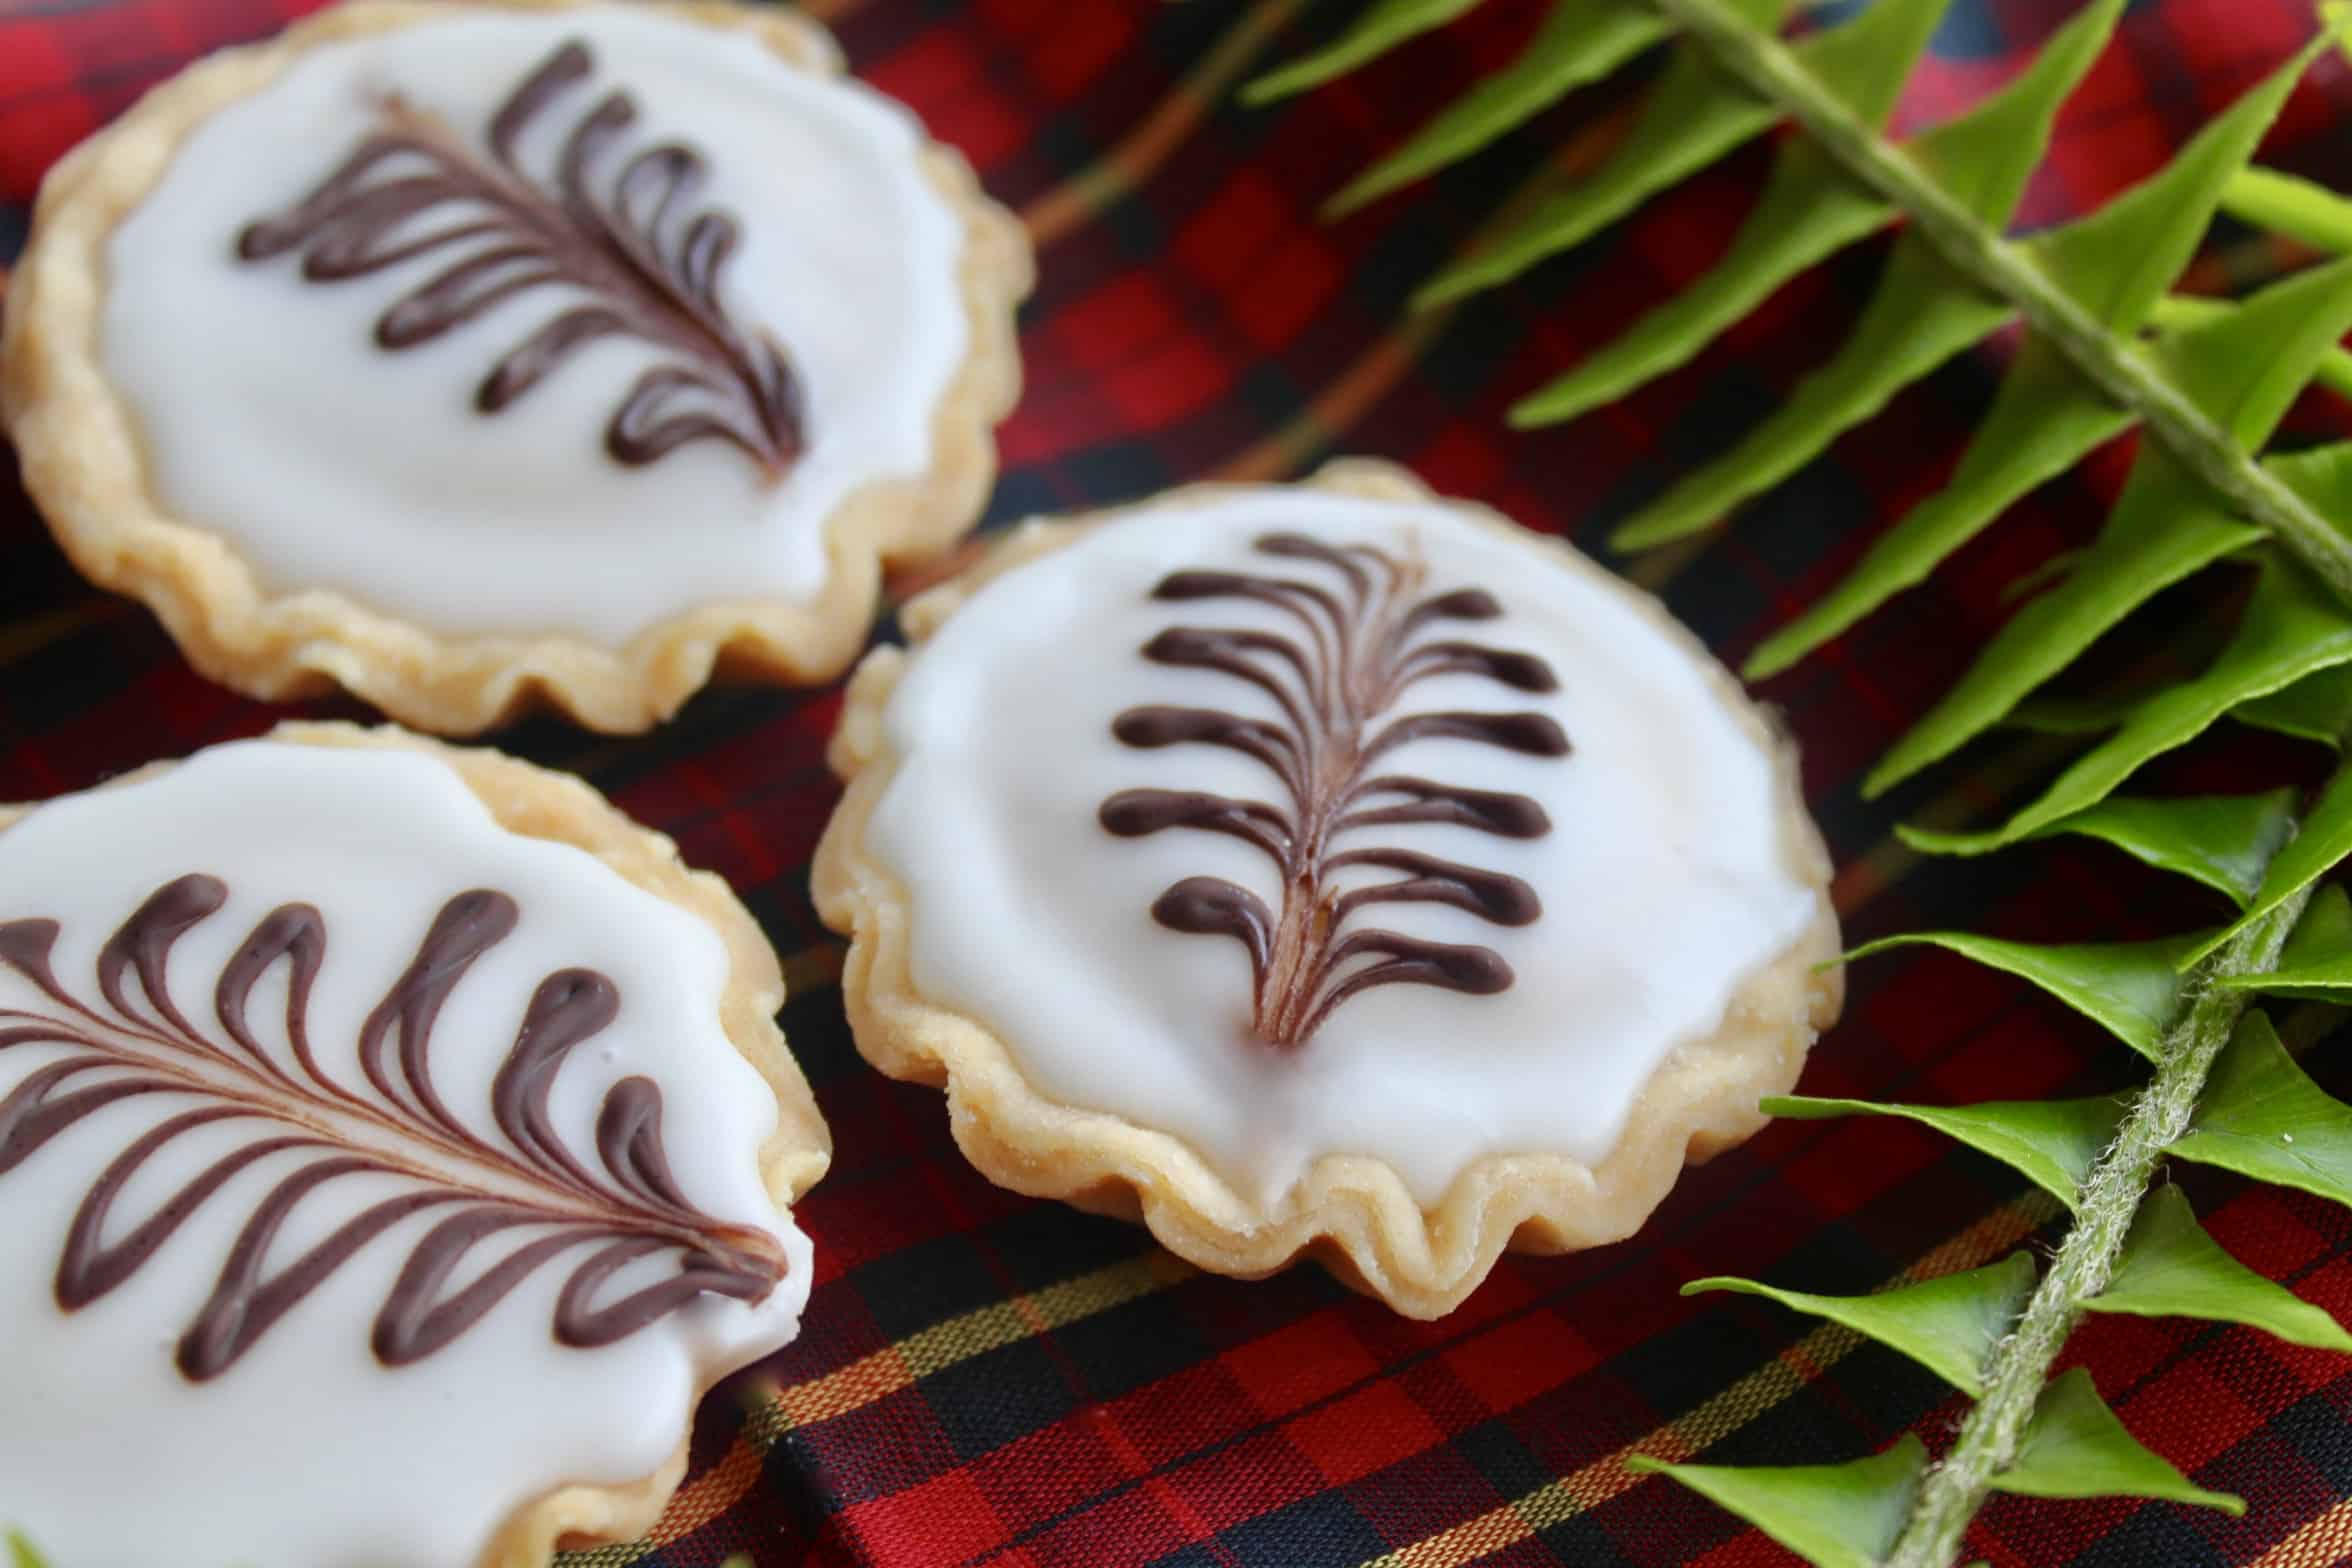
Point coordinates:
[[395, 1143], [475, 354], [1324, 868]]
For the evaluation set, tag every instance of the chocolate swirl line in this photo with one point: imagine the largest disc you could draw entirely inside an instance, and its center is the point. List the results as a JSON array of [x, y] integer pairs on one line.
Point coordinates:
[[1361, 641], [309, 1131], [647, 267]]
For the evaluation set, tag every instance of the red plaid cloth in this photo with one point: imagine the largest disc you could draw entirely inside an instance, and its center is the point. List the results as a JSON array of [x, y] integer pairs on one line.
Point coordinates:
[[990, 1380]]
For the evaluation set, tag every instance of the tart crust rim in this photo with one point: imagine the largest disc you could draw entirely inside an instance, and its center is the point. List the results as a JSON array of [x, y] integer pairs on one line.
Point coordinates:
[[1353, 1212], [83, 462], [535, 802]]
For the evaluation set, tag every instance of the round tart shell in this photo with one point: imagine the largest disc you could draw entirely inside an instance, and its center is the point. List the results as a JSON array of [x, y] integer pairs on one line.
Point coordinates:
[[1351, 1212], [80, 449], [536, 803]]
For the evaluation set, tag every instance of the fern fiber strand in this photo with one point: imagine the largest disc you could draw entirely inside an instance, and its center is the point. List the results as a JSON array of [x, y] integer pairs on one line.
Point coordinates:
[[1138, 154], [1985, 257], [2110, 1200]]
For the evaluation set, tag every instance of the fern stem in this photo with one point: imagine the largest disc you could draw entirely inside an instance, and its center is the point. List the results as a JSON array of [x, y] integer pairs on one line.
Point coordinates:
[[2020, 1364], [2001, 268]]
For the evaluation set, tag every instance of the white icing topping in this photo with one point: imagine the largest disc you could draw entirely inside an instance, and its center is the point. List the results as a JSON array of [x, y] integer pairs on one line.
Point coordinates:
[[1666, 879], [270, 416], [307, 1453]]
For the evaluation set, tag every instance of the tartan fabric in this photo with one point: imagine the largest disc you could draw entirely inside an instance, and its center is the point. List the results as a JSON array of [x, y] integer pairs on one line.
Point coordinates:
[[989, 1380]]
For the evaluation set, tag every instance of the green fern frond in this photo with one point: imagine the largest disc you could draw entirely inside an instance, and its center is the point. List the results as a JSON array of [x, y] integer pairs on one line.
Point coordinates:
[[2316, 964], [1922, 315], [2170, 1268], [2130, 989], [2106, 348], [1834, 1516], [2086, 289], [2318, 707], [2223, 841], [2318, 847], [1694, 117], [2263, 1117], [2043, 421], [2075, 1447], [1582, 41], [1948, 1325], [1995, 1436], [1381, 28], [2292, 628], [2051, 1143]]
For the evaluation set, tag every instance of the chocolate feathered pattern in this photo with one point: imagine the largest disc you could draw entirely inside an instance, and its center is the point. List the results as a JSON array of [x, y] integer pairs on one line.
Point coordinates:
[[317, 1130], [649, 269], [1364, 647]]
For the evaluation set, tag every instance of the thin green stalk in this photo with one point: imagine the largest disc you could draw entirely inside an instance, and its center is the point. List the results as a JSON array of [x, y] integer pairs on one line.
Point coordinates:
[[2020, 1364], [1989, 260], [2291, 205]]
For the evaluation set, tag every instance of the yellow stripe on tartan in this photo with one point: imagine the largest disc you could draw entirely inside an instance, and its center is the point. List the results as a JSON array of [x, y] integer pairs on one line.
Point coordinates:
[[1464, 1543], [1010, 1322], [28, 635], [712, 1493], [2324, 1542], [772, 1413], [1336, 408], [814, 968], [1656, 569], [1558, 1501], [703, 1499], [1141, 151]]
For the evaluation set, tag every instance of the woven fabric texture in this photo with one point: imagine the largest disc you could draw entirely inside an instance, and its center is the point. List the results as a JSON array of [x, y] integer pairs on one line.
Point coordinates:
[[990, 1380]]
